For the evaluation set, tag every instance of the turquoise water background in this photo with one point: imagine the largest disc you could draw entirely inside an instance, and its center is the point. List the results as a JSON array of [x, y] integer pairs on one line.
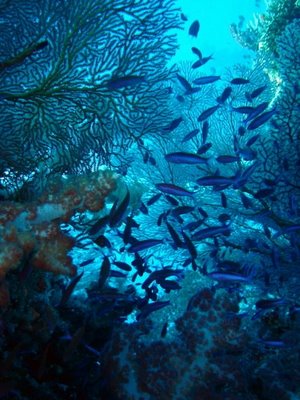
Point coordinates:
[[215, 17]]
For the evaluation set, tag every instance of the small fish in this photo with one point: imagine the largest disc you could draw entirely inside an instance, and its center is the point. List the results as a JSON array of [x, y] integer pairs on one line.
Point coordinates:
[[196, 51], [239, 81], [225, 95], [215, 180], [98, 226], [202, 212], [207, 113], [122, 265], [186, 85], [185, 158], [117, 213], [149, 308], [143, 208], [140, 245], [270, 303], [87, 262], [211, 232], [224, 218], [257, 92], [69, 290], [223, 200], [173, 189], [173, 124], [125, 81], [262, 193], [261, 119], [190, 135], [194, 29], [153, 199], [204, 148], [228, 277], [252, 140], [226, 159], [190, 245], [164, 330], [257, 110], [205, 127], [182, 210], [203, 80], [243, 109], [201, 62], [104, 272], [247, 203], [183, 17], [172, 200], [176, 239]]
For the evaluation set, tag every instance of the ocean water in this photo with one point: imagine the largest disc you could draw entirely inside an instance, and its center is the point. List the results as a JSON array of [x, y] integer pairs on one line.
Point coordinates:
[[149, 200]]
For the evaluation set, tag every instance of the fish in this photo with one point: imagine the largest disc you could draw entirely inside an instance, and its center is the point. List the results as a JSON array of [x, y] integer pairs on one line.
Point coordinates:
[[143, 208], [239, 81], [225, 95], [201, 62], [190, 135], [196, 51], [174, 190], [69, 290], [186, 85], [215, 180], [194, 28], [122, 265], [243, 109], [173, 124], [124, 81], [257, 110], [172, 200], [185, 158], [98, 226], [270, 303], [207, 113], [261, 119], [164, 330], [262, 193], [176, 239], [140, 245], [153, 199], [182, 210], [104, 272], [86, 262], [169, 285], [204, 148], [183, 17], [117, 213], [257, 92], [203, 80], [223, 200], [252, 140], [151, 307], [211, 232], [102, 241], [247, 203], [224, 276], [190, 245], [227, 159], [205, 127]]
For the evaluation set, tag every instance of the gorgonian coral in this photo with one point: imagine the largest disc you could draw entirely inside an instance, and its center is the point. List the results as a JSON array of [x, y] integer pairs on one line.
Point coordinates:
[[79, 80]]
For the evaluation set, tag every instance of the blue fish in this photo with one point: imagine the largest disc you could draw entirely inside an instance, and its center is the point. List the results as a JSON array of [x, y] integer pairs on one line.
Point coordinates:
[[204, 148], [239, 81], [190, 135], [211, 232], [173, 189], [223, 276], [140, 245], [118, 211], [173, 124], [205, 127], [196, 51], [149, 308], [187, 86], [227, 159], [261, 119], [194, 28], [185, 158], [207, 113], [203, 80]]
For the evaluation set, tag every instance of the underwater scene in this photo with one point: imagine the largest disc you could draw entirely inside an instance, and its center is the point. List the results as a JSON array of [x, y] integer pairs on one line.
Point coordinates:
[[150, 199]]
